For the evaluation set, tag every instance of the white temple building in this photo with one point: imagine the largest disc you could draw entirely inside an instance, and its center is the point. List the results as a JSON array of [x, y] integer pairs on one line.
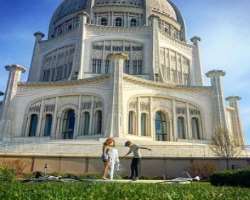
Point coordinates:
[[115, 68]]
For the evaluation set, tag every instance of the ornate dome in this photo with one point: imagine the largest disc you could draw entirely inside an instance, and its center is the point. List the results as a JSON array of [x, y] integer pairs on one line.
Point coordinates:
[[68, 7], [163, 6]]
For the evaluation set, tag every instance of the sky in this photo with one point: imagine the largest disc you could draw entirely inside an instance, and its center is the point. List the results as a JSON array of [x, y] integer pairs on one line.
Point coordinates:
[[223, 25]]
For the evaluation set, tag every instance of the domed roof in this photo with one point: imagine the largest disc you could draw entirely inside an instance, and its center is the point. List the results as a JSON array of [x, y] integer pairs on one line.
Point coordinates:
[[163, 6], [68, 7]]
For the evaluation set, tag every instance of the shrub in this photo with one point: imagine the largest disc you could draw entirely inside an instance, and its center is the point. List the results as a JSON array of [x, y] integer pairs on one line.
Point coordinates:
[[231, 178], [7, 175], [202, 169]]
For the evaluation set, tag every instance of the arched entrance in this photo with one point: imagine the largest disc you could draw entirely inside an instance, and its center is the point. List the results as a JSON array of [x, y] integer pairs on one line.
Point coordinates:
[[68, 124], [161, 127]]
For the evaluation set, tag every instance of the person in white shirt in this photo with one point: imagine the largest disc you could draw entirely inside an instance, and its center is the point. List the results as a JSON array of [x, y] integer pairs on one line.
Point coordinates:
[[113, 161]]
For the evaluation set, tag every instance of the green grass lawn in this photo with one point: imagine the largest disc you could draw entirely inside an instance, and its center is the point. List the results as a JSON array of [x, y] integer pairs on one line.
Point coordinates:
[[115, 191]]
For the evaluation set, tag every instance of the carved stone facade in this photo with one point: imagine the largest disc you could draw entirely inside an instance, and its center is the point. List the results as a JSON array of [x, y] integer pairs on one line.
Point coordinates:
[[119, 69]]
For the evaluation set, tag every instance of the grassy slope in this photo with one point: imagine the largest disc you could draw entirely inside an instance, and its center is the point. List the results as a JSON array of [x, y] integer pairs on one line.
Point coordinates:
[[82, 191]]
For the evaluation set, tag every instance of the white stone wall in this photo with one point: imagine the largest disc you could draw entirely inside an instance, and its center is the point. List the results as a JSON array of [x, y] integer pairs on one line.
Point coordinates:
[[161, 97]]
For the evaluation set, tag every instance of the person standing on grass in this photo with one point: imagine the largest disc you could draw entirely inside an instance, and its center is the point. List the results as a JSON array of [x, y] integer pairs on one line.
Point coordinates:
[[107, 145], [136, 161], [113, 160]]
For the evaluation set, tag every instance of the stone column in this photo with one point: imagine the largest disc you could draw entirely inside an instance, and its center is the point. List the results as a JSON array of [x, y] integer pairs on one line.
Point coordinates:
[[218, 97], [34, 72], [189, 134], [117, 124], [197, 68], [26, 131], [92, 118], [15, 72], [237, 126], [156, 75], [151, 119], [175, 134], [40, 121], [54, 121], [147, 12], [138, 117], [80, 54], [78, 129]]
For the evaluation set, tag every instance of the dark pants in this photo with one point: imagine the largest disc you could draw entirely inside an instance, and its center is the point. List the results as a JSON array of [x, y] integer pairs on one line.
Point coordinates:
[[135, 168]]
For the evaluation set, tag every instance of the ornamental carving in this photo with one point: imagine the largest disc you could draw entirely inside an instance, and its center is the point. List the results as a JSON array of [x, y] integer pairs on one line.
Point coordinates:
[[49, 108], [98, 104], [181, 111], [35, 109], [194, 112], [86, 105], [144, 106], [133, 105]]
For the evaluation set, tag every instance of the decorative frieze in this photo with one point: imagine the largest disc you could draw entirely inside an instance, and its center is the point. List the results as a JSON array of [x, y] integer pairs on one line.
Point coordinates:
[[194, 112], [35, 109], [86, 105], [181, 111], [132, 105], [49, 108], [144, 106], [98, 104]]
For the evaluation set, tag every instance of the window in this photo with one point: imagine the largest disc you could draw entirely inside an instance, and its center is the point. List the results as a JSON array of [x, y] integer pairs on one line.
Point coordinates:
[[53, 74], [46, 75], [127, 66], [160, 127], [118, 21], [59, 73], [104, 21], [131, 123], [107, 66], [144, 124], [86, 122], [118, 48], [48, 125], [33, 125], [97, 66], [133, 22], [196, 128], [137, 67], [68, 124], [181, 128], [98, 122]]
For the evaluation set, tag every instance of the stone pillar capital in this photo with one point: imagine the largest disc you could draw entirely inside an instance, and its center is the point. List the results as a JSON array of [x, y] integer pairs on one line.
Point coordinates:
[[83, 13], [215, 73], [233, 98], [15, 67], [39, 35], [84, 17], [195, 40]]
